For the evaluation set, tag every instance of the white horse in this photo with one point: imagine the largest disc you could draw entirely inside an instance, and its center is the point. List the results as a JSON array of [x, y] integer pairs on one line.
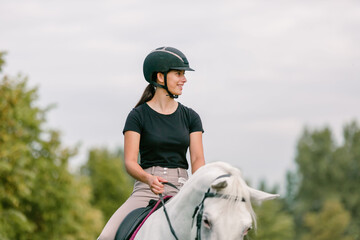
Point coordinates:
[[225, 214]]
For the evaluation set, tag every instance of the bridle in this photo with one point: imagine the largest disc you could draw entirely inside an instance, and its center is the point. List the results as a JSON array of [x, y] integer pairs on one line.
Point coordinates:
[[199, 208]]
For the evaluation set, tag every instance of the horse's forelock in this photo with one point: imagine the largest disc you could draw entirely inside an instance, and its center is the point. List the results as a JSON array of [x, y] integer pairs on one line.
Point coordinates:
[[237, 187]]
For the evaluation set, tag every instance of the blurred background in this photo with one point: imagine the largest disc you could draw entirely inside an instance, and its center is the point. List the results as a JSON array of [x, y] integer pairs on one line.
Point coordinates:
[[276, 85]]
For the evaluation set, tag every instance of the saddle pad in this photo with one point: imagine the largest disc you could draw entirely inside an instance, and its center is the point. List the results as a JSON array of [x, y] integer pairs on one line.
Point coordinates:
[[135, 219]]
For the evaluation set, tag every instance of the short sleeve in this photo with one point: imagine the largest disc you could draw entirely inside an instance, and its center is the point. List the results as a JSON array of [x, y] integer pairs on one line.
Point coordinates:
[[195, 122], [133, 122]]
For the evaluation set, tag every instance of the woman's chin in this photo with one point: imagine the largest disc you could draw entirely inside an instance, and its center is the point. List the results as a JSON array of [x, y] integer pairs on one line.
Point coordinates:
[[177, 93]]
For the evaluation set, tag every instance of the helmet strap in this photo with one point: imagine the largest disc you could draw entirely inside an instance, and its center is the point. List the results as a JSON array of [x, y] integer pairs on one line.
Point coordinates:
[[166, 87]]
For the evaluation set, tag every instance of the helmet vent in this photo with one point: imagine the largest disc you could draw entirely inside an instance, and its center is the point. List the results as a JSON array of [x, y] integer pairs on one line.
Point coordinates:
[[164, 50]]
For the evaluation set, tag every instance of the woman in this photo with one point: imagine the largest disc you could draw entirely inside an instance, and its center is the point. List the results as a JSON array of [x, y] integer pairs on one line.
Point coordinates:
[[162, 129]]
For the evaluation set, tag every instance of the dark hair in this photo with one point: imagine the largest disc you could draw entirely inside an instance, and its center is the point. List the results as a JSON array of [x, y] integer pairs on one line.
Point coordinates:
[[148, 94]]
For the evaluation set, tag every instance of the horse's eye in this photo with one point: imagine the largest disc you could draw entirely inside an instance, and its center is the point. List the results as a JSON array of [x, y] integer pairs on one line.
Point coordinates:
[[207, 223], [246, 231]]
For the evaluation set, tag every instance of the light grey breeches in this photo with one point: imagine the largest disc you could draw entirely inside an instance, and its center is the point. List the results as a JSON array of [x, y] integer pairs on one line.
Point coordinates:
[[141, 196]]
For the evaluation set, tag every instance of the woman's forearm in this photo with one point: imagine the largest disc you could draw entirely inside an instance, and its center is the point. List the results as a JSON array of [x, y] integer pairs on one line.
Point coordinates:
[[196, 164], [136, 171]]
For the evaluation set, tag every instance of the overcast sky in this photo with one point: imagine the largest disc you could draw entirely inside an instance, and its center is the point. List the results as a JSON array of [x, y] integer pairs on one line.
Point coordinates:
[[264, 69]]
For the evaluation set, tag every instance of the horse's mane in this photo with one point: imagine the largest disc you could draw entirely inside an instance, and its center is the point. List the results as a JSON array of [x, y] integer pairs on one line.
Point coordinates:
[[206, 175], [236, 187]]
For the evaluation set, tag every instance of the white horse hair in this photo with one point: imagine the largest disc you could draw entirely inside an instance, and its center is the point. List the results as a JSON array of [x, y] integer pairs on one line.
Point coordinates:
[[223, 218]]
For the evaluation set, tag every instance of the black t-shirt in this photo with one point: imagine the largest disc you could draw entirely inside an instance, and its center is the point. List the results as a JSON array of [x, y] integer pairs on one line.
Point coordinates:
[[164, 139]]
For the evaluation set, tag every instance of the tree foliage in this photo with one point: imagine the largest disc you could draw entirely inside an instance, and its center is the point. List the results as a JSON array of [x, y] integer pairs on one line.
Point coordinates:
[[39, 197], [327, 171], [273, 222], [336, 218], [110, 183]]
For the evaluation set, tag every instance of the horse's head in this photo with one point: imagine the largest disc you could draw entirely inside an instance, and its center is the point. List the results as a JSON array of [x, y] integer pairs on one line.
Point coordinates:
[[227, 212]]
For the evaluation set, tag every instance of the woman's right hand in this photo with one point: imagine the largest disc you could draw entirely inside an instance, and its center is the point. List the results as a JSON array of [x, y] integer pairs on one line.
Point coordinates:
[[155, 185]]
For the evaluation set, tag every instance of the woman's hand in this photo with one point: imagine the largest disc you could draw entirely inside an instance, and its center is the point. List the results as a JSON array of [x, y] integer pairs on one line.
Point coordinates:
[[155, 185]]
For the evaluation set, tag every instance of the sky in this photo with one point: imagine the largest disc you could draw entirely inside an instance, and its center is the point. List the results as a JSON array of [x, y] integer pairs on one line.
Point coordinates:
[[265, 70]]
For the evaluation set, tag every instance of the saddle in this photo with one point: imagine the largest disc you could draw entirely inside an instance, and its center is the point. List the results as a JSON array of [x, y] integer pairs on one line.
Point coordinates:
[[136, 218]]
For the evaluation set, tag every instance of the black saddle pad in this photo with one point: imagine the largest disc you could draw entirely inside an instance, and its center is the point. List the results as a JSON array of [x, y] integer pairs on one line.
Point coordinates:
[[133, 220]]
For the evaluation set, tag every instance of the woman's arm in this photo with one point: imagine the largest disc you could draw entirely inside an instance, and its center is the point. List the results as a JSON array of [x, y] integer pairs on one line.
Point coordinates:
[[196, 151], [131, 152]]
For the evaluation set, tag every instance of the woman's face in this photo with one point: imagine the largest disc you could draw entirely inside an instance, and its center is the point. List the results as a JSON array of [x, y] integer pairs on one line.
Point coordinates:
[[175, 81]]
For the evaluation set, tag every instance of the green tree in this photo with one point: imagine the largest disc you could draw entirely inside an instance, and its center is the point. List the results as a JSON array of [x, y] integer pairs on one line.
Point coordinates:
[[291, 190], [2, 60], [348, 175], [330, 223], [327, 170], [39, 197], [110, 183], [273, 221]]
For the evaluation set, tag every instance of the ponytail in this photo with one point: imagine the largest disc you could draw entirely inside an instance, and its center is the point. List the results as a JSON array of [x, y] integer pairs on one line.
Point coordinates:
[[147, 95]]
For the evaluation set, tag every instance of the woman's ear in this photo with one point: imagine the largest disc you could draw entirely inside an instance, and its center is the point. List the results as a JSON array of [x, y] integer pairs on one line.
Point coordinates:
[[160, 77]]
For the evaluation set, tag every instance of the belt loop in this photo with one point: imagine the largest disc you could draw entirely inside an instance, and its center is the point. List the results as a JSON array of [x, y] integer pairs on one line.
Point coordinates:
[[178, 172], [152, 170]]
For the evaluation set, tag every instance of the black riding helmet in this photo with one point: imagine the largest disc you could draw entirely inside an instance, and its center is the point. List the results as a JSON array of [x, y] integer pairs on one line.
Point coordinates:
[[163, 60]]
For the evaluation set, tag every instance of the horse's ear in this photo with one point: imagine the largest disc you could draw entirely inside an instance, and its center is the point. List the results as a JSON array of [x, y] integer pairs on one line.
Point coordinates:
[[259, 196], [219, 183]]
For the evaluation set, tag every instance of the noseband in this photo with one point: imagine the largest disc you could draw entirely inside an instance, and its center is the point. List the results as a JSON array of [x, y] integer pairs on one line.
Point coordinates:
[[199, 208]]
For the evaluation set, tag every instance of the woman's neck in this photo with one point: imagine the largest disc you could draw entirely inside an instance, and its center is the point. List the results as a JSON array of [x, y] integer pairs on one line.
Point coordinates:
[[162, 103]]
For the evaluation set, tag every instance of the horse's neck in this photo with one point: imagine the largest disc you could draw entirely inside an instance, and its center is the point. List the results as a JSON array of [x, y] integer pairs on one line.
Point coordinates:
[[193, 191], [181, 207]]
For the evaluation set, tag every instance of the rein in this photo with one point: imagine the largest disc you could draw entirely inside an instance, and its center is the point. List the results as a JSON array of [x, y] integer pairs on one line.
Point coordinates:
[[199, 208], [166, 214]]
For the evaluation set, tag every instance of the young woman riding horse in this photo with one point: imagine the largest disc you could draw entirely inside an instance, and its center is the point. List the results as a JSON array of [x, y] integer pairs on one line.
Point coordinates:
[[162, 130]]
